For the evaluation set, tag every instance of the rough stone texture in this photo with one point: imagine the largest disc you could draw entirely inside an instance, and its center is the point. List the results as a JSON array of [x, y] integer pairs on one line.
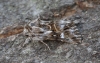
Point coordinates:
[[16, 11]]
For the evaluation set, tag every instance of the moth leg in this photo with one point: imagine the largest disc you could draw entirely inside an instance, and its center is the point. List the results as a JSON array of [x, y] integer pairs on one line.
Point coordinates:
[[46, 45], [26, 41]]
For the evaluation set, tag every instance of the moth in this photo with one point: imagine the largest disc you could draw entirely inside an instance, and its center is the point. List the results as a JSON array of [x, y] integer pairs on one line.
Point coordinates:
[[62, 30], [52, 26]]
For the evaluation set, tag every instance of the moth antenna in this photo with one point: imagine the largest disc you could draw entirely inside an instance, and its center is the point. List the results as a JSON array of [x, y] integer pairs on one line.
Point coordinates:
[[46, 45], [56, 28]]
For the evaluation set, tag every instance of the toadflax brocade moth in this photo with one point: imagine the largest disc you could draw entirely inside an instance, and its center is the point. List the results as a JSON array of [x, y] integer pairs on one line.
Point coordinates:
[[62, 30]]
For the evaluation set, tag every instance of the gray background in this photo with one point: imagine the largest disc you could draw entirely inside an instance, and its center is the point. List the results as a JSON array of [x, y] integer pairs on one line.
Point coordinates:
[[17, 11]]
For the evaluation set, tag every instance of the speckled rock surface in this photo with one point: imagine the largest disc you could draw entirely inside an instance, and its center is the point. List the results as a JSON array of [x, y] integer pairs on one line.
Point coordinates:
[[16, 11]]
